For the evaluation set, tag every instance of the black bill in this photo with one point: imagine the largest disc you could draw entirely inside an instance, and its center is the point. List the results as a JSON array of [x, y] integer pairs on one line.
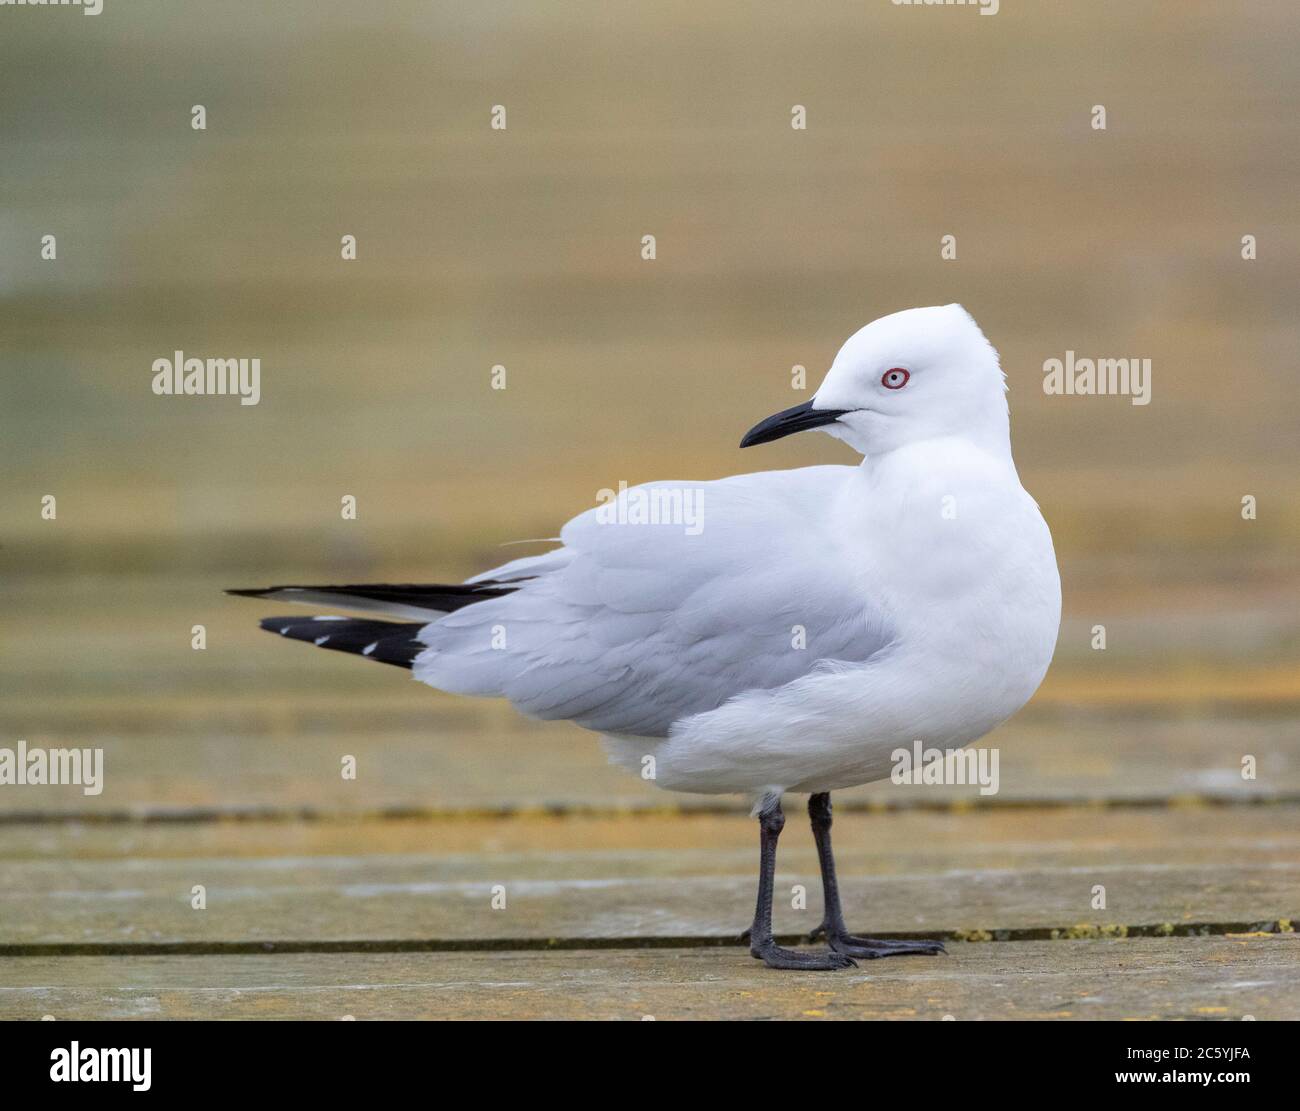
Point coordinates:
[[799, 419]]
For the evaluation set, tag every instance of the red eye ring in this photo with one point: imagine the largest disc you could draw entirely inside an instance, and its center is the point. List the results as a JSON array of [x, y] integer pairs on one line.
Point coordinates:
[[895, 378]]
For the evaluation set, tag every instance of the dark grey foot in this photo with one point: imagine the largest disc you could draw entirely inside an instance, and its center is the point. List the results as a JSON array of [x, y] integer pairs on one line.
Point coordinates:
[[774, 956], [871, 948]]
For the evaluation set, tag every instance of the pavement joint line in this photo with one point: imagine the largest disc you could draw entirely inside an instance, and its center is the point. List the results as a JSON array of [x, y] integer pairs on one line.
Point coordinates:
[[1280, 928], [200, 815]]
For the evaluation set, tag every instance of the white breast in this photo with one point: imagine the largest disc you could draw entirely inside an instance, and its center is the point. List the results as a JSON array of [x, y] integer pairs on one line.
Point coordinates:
[[958, 557]]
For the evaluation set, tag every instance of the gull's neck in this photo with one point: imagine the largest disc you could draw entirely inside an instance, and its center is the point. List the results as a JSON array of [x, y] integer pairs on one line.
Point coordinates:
[[990, 452]]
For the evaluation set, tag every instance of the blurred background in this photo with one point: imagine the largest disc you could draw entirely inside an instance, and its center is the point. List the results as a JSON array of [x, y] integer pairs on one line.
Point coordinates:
[[478, 247]]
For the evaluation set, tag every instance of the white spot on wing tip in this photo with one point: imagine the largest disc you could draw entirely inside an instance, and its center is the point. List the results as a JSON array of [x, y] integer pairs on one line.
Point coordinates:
[[319, 641], [284, 630], [369, 648]]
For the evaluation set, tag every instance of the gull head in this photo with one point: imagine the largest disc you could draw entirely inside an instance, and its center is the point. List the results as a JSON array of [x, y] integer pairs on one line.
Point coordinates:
[[916, 375]]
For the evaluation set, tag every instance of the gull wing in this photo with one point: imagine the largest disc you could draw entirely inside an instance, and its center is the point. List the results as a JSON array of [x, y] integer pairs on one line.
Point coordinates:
[[629, 627]]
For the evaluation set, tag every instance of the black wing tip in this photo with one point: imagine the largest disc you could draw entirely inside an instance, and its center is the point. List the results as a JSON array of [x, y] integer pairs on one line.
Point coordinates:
[[279, 624], [386, 642], [480, 586], [435, 597]]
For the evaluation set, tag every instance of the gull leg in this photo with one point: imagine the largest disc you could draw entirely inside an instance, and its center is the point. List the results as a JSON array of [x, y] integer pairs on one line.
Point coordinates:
[[832, 927], [762, 945]]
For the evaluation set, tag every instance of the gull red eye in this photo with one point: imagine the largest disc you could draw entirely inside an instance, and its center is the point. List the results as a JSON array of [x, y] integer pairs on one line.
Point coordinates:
[[895, 379]]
